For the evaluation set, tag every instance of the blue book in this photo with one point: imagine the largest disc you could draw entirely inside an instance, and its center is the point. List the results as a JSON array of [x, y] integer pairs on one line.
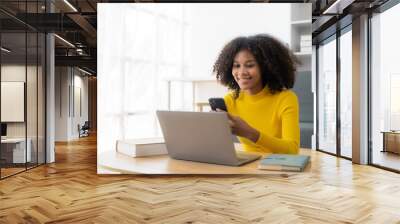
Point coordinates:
[[284, 162]]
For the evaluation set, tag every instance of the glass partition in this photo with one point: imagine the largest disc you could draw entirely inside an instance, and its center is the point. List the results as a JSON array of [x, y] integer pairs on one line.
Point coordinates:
[[327, 96], [22, 88], [385, 89], [14, 153]]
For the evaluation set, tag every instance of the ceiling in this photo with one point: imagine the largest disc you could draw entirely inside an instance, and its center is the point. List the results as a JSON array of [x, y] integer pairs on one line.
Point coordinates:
[[330, 16], [76, 24]]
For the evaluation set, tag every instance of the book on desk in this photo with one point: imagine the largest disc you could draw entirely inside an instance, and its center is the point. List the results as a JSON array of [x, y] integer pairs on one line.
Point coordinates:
[[142, 147], [284, 162]]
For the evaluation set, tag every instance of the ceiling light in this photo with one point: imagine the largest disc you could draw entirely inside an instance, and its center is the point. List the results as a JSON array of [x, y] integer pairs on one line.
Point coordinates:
[[86, 72], [64, 40], [70, 5], [5, 49]]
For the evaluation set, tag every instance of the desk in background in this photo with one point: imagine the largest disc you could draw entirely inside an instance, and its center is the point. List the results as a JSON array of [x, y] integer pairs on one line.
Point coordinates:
[[391, 141], [13, 150], [202, 89]]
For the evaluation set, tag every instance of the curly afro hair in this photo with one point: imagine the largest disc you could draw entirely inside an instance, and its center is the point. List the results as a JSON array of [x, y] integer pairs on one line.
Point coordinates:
[[277, 63]]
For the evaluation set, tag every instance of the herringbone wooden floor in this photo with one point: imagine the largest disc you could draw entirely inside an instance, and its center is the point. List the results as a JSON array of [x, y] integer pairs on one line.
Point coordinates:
[[70, 191]]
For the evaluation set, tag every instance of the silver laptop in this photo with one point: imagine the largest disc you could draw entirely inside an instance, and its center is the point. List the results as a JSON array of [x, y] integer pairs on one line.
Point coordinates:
[[201, 137]]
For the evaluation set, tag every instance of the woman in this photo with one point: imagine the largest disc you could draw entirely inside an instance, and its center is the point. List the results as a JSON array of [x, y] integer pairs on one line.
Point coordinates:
[[262, 109]]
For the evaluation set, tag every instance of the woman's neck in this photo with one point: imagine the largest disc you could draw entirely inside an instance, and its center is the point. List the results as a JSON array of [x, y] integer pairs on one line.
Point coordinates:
[[254, 90]]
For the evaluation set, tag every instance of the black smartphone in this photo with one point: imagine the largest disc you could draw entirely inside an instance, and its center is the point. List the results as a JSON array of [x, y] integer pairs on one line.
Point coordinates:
[[217, 103]]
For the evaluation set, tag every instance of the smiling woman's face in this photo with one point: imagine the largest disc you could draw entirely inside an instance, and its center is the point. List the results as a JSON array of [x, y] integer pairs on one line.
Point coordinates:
[[246, 72]]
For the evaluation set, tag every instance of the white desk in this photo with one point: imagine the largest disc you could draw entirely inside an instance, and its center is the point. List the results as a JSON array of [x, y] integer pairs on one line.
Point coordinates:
[[18, 150]]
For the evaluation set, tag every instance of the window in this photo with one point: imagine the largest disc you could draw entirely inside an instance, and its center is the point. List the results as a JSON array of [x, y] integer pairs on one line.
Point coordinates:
[[385, 89], [140, 66], [346, 93], [327, 96]]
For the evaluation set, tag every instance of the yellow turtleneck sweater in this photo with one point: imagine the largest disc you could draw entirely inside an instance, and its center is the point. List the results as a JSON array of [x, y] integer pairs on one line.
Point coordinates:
[[275, 116]]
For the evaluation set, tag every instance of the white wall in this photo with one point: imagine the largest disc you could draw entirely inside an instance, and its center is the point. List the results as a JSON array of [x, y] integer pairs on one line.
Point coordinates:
[[14, 72], [213, 25], [68, 81], [61, 103]]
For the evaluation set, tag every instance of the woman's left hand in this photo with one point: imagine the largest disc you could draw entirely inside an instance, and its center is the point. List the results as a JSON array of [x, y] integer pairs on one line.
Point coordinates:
[[241, 128]]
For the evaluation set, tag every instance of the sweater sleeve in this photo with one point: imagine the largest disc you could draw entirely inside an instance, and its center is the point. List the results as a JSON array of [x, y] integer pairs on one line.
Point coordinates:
[[228, 99], [290, 141]]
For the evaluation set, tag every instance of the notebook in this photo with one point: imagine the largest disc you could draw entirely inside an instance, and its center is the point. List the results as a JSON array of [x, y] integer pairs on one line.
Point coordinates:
[[284, 162]]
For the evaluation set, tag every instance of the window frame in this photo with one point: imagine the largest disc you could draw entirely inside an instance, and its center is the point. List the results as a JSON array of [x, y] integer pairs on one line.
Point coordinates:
[[378, 10], [347, 27]]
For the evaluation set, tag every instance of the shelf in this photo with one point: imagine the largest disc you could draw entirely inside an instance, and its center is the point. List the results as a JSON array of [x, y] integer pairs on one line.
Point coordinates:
[[301, 22], [302, 53]]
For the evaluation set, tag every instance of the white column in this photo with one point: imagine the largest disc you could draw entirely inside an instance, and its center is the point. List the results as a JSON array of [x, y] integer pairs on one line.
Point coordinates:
[[50, 99], [50, 92], [314, 92]]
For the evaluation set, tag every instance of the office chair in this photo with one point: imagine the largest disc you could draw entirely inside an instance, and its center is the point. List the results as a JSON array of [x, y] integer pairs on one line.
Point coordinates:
[[84, 130]]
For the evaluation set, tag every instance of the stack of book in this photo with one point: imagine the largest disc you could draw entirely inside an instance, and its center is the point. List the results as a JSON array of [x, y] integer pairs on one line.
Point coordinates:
[[142, 147], [305, 43]]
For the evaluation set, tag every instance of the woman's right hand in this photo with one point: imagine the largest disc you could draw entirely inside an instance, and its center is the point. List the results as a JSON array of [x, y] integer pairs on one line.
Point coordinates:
[[240, 127]]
